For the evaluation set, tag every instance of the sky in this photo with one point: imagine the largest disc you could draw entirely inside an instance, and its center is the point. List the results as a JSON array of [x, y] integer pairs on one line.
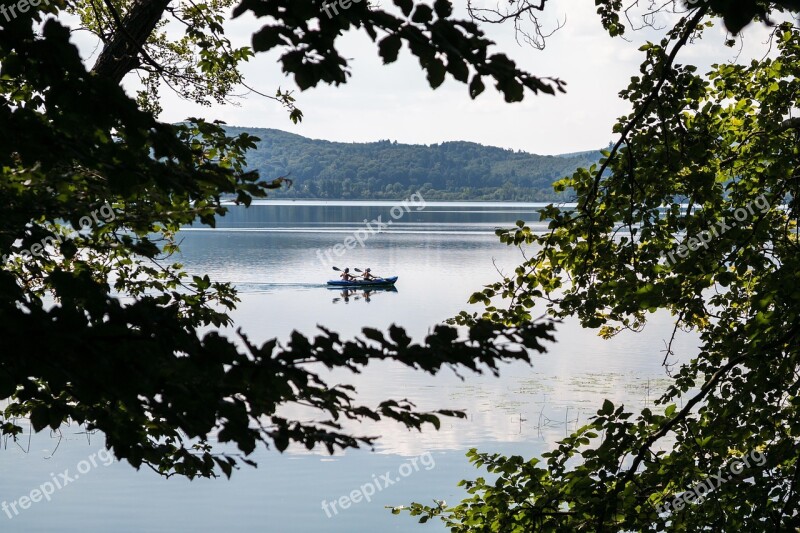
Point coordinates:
[[395, 102]]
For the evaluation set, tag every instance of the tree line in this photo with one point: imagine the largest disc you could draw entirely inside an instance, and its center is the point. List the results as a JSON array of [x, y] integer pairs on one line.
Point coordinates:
[[390, 170]]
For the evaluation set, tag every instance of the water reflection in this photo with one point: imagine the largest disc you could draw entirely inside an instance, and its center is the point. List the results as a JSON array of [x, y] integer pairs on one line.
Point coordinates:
[[346, 295], [442, 254], [280, 277]]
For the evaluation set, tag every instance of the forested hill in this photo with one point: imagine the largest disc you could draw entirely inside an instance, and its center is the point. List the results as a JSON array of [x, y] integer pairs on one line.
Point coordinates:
[[388, 170]]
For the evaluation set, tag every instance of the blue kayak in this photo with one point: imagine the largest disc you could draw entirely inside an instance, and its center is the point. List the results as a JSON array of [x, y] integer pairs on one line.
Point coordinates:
[[363, 283]]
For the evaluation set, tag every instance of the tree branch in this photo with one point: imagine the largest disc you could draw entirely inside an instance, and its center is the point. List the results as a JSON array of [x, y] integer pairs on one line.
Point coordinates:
[[121, 53]]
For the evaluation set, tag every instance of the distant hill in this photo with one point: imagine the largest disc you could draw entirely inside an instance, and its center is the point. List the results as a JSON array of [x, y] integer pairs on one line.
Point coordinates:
[[388, 170]]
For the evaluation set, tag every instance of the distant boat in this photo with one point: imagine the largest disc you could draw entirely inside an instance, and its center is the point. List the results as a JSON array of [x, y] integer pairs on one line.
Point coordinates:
[[376, 282]]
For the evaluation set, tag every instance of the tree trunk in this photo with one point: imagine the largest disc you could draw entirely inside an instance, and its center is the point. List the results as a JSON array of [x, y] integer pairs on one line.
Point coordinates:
[[121, 53]]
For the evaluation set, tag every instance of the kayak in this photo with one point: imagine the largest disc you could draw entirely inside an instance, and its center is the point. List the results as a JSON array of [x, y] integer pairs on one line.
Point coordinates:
[[377, 282]]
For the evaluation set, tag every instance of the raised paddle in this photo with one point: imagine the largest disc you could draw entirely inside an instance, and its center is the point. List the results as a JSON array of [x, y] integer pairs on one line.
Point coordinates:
[[361, 271], [337, 269]]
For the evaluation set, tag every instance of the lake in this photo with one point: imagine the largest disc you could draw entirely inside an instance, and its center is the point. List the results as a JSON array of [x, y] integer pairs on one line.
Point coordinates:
[[276, 253]]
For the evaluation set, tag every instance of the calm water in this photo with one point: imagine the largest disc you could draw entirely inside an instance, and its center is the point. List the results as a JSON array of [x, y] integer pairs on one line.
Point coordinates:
[[276, 255]]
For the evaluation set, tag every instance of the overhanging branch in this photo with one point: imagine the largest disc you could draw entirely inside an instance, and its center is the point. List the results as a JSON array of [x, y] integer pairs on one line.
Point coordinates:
[[121, 53]]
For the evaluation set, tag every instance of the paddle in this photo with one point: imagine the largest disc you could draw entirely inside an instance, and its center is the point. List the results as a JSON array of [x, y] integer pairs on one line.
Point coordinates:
[[356, 269], [361, 271], [337, 269]]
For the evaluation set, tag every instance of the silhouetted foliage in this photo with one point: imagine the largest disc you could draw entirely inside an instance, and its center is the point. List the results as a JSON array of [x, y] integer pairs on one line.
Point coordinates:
[[98, 326], [685, 213]]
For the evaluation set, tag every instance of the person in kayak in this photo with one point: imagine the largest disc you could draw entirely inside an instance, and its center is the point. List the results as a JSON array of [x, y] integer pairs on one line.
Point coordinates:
[[367, 275], [347, 276]]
